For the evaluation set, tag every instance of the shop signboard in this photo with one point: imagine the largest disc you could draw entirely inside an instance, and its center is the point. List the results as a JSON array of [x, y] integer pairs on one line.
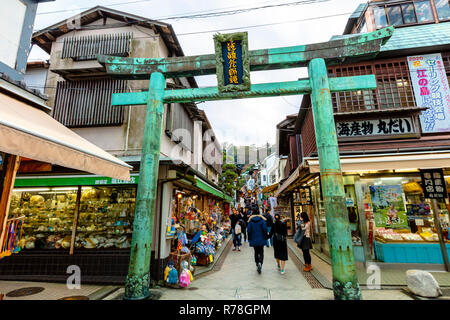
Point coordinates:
[[375, 127], [433, 183], [45, 181], [232, 61], [431, 90], [388, 206]]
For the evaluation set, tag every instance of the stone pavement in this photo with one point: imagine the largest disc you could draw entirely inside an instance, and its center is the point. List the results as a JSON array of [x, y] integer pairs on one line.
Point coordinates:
[[52, 291], [237, 279], [391, 275]]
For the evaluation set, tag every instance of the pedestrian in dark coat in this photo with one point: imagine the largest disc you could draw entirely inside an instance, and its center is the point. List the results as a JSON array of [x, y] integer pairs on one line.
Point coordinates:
[[279, 233], [244, 224], [269, 222], [257, 236]]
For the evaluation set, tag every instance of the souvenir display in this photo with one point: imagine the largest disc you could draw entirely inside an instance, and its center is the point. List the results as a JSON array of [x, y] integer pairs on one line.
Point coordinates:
[[105, 217]]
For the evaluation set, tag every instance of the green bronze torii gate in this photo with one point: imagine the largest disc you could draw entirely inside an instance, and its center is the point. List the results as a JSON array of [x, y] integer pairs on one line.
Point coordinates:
[[359, 47]]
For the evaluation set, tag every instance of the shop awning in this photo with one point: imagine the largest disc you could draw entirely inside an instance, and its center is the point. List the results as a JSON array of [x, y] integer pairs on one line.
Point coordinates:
[[210, 189], [288, 181], [270, 188], [29, 132], [388, 162]]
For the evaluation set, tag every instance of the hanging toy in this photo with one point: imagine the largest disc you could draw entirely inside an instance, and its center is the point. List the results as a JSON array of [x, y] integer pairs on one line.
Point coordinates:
[[194, 260], [172, 277], [185, 277], [166, 273]]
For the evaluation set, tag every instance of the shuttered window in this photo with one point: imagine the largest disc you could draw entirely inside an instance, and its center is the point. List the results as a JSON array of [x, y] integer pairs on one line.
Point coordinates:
[[179, 126], [87, 47], [88, 103]]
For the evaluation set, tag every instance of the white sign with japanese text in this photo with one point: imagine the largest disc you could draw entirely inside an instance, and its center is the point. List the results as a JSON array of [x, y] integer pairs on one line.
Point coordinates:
[[384, 126], [431, 91]]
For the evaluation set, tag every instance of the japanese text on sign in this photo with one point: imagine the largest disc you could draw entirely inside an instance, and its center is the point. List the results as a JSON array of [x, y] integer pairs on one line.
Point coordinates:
[[433, 183], [431, 90], [374, 127], [232, 69]]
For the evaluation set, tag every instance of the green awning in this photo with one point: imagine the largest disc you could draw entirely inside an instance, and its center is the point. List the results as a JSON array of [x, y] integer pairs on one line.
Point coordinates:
[[206, 187], [210, 189]]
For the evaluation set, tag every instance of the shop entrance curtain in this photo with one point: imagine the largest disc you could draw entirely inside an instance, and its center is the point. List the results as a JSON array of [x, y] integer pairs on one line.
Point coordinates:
[[32, 133]]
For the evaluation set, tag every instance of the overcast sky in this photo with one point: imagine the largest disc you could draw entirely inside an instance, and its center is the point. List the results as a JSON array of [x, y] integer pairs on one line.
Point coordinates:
[[246, 121]]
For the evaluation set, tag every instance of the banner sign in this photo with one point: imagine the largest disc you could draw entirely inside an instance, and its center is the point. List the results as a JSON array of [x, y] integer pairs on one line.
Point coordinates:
[[433, 183], [378, 127], [431, 91], [388, 206], [232, 61], [59, 181]]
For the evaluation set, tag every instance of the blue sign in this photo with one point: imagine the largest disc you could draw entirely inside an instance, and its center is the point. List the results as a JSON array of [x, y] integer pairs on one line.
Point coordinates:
[[233, 68]]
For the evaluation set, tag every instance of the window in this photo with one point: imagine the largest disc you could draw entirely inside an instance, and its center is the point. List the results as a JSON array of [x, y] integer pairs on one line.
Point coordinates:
[[380, 17], [87, 103], [264, 178], [179, 126], [423, 10], [443, 9], [395, 15], [409, 12]]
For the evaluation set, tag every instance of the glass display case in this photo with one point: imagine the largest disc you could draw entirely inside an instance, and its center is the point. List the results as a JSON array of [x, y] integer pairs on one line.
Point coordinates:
[[48, 216], [104, 219]]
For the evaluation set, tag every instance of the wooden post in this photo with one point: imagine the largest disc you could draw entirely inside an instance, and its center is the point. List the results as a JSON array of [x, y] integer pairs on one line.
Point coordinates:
[[138, 278], [345, 280], [437, 224], [75, 221], [12, 166]]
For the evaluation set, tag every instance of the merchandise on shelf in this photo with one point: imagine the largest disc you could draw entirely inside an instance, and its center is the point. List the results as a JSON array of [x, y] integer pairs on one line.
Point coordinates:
[[105, 217]]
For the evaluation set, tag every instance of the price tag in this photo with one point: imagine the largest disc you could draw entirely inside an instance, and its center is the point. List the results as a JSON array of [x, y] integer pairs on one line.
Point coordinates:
[[419, 222]]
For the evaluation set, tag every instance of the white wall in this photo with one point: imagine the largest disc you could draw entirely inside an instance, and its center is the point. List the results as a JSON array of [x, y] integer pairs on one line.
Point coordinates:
[[35, 78]]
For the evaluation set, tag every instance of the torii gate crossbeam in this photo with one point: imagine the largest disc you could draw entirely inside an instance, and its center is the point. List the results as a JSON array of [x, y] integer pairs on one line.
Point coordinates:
[[359, 47]]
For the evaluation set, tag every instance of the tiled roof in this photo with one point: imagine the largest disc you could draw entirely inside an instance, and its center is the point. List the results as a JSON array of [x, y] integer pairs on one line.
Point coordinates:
[[429, 35], [359, 10]]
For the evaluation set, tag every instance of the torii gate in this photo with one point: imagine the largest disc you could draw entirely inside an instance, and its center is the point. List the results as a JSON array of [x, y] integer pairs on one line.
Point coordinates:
[[353, 48]]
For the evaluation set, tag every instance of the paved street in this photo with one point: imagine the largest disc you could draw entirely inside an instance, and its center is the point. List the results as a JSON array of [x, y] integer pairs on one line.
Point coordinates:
[[238, 279]]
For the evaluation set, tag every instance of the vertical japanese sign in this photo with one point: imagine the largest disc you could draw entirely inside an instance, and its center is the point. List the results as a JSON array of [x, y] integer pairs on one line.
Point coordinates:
[[232, 61], [432, 91], [433, 183]]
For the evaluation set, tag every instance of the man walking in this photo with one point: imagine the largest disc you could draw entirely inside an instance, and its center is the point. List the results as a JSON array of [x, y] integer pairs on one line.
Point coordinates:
[[257, 235]]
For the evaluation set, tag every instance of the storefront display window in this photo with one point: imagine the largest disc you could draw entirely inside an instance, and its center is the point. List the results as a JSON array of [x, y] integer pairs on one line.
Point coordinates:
[[443, 9], [397, 212], [105, 216], [48, 216]]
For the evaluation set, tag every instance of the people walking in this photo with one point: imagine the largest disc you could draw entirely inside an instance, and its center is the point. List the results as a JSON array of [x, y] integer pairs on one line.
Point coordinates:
[[257, 236], [279, 233], [245, 222], [305, 243], [269, 222], [236, 229]]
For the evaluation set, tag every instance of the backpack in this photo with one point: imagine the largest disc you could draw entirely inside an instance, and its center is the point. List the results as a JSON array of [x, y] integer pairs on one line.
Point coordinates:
[[237, 228], [185, 278], [172, 277]]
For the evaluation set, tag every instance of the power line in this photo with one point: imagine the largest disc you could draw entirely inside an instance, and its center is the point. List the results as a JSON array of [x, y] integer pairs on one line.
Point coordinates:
[[109, 5], [234, 28]]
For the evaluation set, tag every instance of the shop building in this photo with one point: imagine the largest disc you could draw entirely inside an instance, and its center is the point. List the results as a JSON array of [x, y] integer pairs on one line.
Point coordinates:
[[93, 211], [386, 136]]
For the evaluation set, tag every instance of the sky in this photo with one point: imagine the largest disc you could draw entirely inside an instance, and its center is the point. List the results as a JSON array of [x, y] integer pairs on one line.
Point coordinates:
[[238, 122]]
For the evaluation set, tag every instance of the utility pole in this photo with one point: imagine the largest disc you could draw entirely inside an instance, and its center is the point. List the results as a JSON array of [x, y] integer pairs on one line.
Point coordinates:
[[345, 280]]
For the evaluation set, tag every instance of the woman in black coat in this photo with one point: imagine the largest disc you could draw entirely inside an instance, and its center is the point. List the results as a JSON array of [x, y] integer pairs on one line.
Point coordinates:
[[279, 233]]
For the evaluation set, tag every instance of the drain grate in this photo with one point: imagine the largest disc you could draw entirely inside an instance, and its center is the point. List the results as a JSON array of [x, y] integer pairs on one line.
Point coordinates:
[[309, 277], [75, 298], [23, 292]]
